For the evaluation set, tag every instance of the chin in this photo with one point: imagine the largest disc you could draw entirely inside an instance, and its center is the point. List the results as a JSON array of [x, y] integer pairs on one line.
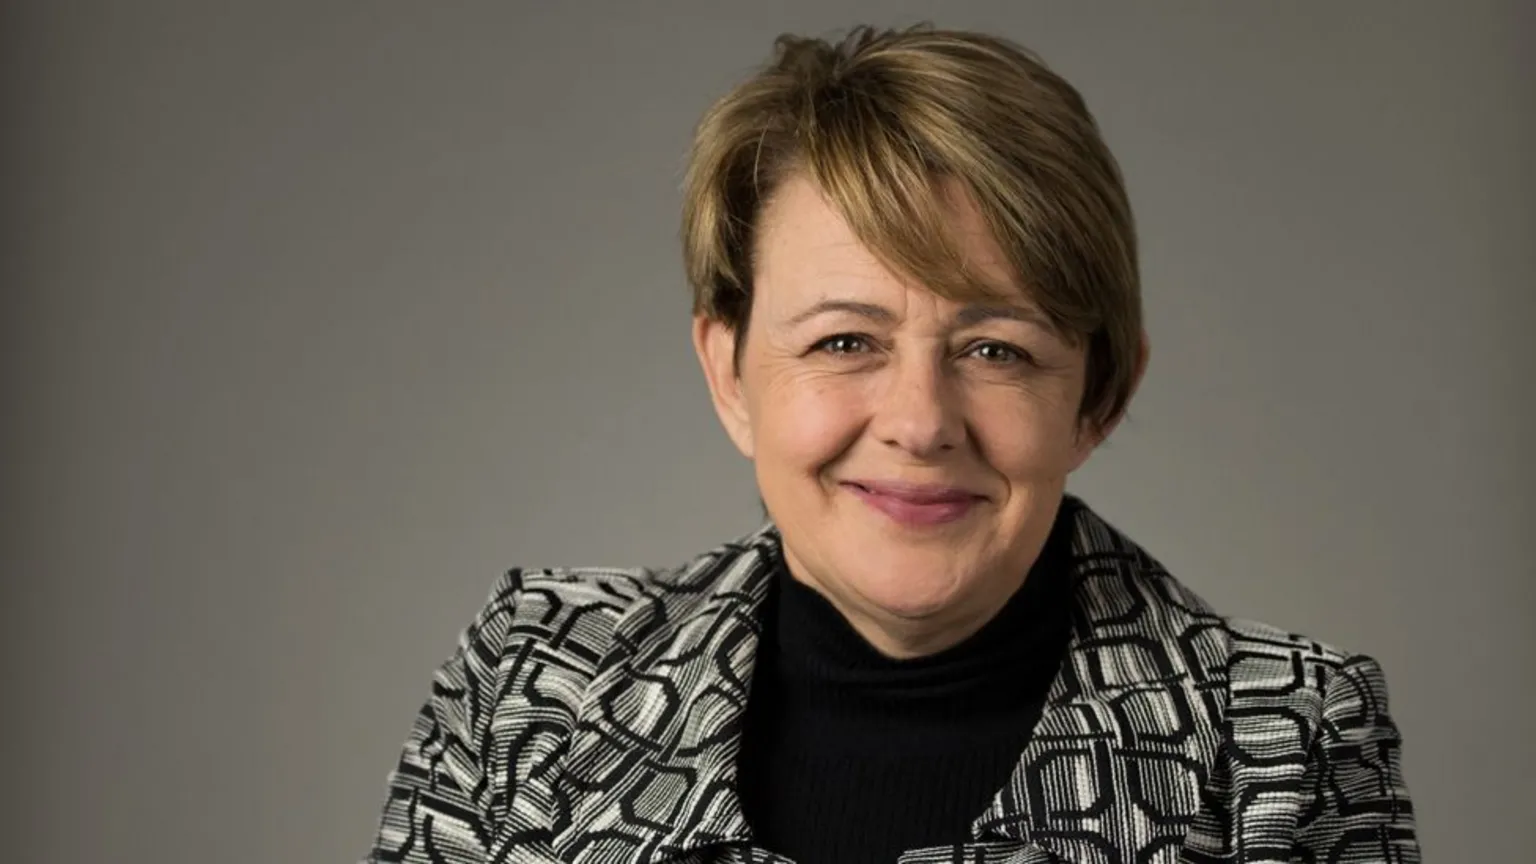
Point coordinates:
[[909, 589]]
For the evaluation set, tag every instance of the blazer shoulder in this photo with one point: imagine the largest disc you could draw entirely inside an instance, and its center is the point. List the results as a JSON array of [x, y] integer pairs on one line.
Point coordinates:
[[553, 608], [1269, 664], [577, 583], [1259, 638], [548, 602]]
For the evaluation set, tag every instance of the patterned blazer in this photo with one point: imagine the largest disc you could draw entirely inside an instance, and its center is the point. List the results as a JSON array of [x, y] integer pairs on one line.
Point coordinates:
[[593, 716]]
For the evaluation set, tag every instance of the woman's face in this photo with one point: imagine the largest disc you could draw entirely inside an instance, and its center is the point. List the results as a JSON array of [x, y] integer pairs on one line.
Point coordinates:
[[913, 451]]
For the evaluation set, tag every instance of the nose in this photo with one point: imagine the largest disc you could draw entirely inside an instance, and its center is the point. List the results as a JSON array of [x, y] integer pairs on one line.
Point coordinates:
[[918, 410]]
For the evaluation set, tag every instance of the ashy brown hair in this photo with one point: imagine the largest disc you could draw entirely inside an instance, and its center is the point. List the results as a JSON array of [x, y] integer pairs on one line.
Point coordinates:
[[878, 121]]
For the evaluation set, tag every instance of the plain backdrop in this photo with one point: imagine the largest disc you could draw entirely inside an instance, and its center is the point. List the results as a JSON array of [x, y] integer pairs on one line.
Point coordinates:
[[318, 316]]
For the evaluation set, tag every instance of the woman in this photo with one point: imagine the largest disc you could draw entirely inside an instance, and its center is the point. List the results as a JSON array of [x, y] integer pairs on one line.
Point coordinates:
[[916, 305]]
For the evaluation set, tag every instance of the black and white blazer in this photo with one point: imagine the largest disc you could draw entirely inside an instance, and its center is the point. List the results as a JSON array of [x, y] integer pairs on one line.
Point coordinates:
[[593, 716]]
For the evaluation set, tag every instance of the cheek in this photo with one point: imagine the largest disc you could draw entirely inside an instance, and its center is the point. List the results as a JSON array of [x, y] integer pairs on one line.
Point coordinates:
[[1025, 439], [806, 422]]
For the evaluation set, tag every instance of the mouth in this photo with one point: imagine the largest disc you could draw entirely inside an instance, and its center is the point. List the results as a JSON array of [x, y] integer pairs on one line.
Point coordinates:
[[913, 504]]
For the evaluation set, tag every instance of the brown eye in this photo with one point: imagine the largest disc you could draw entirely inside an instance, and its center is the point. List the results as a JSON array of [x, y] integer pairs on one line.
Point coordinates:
[[999, 353], [843, 343]]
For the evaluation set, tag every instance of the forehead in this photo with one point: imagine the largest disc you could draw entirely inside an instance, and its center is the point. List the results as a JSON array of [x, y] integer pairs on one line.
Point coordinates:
[[807, 251]]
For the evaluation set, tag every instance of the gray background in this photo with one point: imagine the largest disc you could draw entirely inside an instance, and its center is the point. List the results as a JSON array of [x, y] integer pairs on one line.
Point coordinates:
[[316, 317]]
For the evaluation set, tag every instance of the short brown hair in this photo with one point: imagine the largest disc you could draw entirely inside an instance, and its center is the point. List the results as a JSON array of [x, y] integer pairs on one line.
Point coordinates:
[[875, 121]]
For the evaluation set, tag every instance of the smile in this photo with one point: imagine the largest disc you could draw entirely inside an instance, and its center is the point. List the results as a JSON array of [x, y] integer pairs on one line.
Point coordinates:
[[915, 505]]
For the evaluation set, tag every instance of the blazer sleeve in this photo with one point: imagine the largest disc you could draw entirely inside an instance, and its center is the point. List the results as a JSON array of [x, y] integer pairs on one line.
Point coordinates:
[[1357, 809], [439, 791]]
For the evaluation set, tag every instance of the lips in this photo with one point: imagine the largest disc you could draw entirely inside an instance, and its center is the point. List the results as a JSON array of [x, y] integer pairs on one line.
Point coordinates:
[[914, 504]]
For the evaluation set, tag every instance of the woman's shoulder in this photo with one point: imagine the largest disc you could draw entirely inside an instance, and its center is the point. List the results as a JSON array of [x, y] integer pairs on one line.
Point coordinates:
[[1260, 661], [1272, 670], [550, 603], [696, 571], [1258, 639], [542, 600]]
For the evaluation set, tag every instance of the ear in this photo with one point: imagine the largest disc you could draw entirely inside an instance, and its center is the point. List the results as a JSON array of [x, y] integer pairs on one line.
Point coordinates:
[[1090, 434], [715, 343]]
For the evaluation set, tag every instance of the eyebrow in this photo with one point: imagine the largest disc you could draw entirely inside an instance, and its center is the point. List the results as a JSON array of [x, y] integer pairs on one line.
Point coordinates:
[[976, 314], [872, 311], [968, 316]]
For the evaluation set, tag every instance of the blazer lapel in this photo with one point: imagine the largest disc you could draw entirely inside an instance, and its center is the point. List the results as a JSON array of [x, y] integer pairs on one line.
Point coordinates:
[[651, 771], [1133, 721]]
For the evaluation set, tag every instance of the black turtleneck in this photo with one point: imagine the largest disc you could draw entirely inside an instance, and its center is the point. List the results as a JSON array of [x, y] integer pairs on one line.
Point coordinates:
[[850, 756]]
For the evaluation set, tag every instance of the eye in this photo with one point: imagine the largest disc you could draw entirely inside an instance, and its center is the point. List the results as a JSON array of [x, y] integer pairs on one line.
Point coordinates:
[[842, 343], [999, 353]]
